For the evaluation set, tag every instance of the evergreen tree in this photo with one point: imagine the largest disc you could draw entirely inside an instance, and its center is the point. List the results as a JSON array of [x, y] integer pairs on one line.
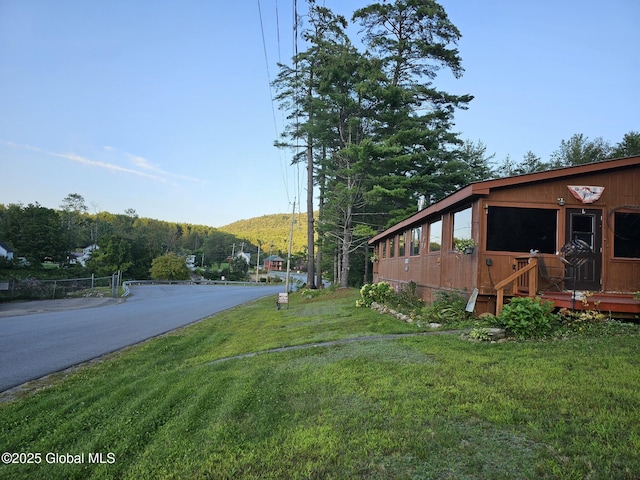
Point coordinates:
[[628, 147], [579, 150]]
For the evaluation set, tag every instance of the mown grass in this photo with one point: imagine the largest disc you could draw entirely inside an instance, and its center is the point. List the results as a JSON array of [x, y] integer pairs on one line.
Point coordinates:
[[429, 407]]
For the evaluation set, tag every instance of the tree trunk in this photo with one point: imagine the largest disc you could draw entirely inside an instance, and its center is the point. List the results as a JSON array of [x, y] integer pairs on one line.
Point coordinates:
[[347, 235], [365, 280], [321, 180], [310, 228]]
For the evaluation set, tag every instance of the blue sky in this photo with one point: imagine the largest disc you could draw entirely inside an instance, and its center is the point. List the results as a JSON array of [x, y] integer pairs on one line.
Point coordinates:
[[165, 106]]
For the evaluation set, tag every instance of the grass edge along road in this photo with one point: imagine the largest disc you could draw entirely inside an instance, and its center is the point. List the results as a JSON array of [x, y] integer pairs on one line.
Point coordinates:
[[415, 407]]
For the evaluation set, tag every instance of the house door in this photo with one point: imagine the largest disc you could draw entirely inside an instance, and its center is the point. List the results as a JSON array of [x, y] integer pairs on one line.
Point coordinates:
[[586, 225]]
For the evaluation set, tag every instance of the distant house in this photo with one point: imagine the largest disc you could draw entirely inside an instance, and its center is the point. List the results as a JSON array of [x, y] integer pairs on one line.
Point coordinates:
[[574, 229], [245, 256], [86, 254], [274, 262], [6, 252], [191, 262]]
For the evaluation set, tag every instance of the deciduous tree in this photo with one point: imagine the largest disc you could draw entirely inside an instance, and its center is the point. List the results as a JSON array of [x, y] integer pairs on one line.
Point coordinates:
[[169, 267]]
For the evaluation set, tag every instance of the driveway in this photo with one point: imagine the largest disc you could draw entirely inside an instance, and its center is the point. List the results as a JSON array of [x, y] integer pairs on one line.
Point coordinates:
[[39, 338]]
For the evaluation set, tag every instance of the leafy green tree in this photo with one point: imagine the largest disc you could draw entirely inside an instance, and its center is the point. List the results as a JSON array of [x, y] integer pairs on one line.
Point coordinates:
[[39, 235], [10, 219], [169, 267], [113, 255], [217, 247], [238, 269], [73, 213]]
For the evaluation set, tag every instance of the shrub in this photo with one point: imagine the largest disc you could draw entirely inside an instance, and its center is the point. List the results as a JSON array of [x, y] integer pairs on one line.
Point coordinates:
[[407, 296], [527, 317], [380, 292], [309, 293], [479, 333], [447, 307]]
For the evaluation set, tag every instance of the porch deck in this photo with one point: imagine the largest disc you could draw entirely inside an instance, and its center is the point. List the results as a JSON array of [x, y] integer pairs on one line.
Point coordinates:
[[527, 282], [616, 303]]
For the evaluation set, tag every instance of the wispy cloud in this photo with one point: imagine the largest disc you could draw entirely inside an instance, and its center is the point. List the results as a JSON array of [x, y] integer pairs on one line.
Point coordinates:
[[146, 165], [109, 166], [141, 166]]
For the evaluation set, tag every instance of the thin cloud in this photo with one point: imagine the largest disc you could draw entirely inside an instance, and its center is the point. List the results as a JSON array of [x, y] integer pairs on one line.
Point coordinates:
[[145, 164], [144, 168], [109, 166], [85, 161]]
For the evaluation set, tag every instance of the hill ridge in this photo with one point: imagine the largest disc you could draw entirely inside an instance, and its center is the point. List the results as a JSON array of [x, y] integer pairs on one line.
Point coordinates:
[[272, 231]]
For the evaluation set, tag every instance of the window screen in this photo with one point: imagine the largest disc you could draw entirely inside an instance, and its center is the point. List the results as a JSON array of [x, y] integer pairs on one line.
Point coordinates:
[[515, 229], [626, 242]]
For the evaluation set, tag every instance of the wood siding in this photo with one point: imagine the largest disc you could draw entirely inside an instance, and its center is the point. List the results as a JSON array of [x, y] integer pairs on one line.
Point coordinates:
[[448, 269]]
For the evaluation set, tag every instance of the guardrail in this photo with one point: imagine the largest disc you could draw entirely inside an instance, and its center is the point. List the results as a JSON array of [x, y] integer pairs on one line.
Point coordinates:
[[127, 284]]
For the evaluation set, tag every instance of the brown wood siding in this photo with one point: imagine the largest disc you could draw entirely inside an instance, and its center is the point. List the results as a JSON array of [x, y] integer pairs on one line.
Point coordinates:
[[450, 270]]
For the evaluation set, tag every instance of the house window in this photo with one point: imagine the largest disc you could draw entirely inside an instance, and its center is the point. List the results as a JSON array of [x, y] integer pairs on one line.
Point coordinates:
[[435, 236], [401, 245], [515, 229], [392, 247], [462, 225], [383, 249], [626, 242], [416, 233]]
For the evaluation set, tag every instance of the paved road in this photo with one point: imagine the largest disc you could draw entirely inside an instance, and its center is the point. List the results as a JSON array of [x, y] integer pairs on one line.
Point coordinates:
[[36, 344]]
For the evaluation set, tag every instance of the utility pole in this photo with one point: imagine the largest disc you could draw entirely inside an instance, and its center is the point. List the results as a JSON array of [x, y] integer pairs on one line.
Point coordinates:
[[258, 264], [293, 214]]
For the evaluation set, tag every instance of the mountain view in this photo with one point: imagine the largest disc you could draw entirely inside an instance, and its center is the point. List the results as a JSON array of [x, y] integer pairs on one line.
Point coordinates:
[[272, 231]]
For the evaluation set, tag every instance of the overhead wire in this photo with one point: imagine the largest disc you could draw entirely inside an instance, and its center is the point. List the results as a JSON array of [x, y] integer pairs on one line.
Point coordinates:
[[283, 168], [296, 97]]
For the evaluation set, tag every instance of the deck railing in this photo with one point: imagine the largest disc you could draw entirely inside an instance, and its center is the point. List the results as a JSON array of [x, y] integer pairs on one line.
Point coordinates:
[[525, 276]]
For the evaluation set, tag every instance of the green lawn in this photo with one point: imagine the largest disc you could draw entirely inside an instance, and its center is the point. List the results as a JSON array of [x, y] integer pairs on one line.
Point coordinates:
[[432, 407]]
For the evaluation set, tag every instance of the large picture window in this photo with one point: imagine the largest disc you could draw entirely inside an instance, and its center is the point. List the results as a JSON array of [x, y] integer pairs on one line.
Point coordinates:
[[626, 243], [514, 229]]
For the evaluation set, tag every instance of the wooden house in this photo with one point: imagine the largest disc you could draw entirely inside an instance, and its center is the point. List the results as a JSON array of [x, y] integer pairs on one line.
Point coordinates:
[[571, 235]]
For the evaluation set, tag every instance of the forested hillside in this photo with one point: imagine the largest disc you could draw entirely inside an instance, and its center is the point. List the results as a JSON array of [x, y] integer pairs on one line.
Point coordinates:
[[272, 232], [127, 242]]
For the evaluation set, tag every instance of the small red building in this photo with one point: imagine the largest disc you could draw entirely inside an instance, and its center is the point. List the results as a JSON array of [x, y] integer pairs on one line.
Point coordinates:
[[274, 262], [549, 233]]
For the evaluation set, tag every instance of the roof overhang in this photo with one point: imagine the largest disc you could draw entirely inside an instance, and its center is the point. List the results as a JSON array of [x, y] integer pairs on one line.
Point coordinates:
[[482, 189]]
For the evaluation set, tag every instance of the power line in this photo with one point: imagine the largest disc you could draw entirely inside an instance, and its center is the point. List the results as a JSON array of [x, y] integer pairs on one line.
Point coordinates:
[[283, 169]]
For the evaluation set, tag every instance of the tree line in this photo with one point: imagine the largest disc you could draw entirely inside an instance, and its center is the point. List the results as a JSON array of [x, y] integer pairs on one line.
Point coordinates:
[[127, 242], [365, 115]]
